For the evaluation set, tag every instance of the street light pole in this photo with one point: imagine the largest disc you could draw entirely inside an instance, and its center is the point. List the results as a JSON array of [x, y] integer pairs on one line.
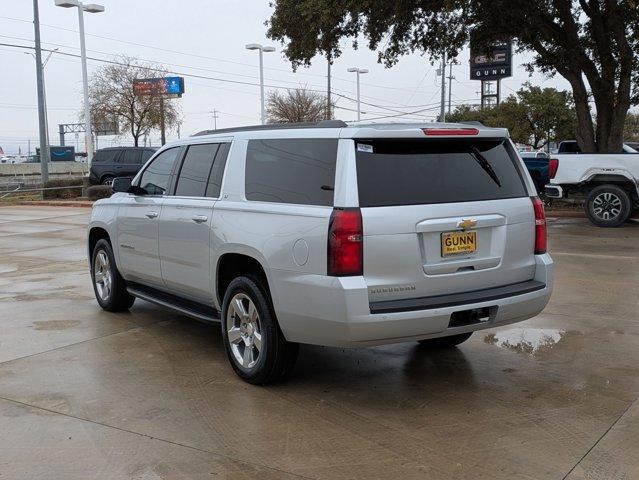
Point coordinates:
[[88, 139], [262, 49], [359, 72], [90, 8], [42, 114]]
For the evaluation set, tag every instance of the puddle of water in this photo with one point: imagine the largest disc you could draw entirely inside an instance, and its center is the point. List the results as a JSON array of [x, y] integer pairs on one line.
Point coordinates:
[[526, 340]]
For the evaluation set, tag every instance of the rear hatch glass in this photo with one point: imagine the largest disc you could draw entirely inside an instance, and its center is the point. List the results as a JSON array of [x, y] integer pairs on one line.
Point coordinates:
[[413, 172]]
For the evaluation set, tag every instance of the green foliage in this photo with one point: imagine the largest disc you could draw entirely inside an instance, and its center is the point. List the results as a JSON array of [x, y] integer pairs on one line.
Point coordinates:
[[63, 192], [534, 116], [589, 41]]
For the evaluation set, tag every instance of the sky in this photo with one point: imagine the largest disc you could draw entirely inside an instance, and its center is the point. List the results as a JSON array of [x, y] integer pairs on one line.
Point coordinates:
[[205, 39]]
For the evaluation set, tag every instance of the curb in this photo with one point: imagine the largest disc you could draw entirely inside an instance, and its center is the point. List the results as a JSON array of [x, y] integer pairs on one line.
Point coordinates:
[[58, 203]]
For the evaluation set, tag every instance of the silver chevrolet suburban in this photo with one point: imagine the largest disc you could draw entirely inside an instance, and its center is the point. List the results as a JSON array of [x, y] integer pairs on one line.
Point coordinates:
[[329, 234]]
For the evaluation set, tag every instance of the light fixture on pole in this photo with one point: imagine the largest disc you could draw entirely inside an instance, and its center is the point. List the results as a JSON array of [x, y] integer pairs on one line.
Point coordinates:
[[262, 49], [89, 8], [359, 72]]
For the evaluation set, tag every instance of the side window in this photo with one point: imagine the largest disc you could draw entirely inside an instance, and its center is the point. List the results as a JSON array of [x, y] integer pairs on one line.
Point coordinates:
[[106, 156], [215, 179], [130, 156], [300, 171], [155, 178], [195, 170], [146, 154]]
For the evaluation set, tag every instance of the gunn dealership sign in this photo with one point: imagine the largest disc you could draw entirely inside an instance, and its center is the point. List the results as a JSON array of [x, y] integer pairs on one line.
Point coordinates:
[[494, 64]]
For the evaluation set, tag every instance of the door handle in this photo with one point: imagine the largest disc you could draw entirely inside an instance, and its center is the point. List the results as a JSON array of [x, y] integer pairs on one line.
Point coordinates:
[[199, 218], [152, 214]]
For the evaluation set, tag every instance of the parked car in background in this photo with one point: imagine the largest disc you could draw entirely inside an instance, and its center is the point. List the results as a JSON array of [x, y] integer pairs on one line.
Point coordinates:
[[108, 163], [609, 182], [541, 168], [327, 234], [633, 145]]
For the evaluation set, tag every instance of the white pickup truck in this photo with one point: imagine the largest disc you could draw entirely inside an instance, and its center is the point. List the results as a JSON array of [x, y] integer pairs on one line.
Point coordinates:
[[609, 182]]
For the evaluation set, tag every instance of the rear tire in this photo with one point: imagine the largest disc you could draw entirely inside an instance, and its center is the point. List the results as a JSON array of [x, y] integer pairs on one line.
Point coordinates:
[[107, 181], [253, 341], [108, 285], [608, 206], [445, 342]]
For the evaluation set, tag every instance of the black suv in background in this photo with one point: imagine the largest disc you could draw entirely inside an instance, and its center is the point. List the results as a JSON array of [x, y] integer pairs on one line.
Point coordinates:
[[109, 163]]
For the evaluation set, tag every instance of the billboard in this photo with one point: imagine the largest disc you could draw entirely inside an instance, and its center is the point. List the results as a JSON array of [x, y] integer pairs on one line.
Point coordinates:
[[492, 65], [159, 86], [59, 153]]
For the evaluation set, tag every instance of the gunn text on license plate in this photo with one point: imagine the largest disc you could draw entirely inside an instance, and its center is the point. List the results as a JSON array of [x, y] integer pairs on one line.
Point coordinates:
[[456, 243]]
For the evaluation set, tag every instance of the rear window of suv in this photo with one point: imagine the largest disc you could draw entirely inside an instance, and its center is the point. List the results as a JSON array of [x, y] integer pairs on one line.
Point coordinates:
[[414, 172], [299, 171]]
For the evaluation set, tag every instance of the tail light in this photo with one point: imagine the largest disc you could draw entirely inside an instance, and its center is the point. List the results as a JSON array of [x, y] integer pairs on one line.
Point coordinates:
[[345, 243], [540, 226], [553, 165]]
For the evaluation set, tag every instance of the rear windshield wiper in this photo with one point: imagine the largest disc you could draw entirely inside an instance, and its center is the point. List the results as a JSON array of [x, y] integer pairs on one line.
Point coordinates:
[[483, 163]]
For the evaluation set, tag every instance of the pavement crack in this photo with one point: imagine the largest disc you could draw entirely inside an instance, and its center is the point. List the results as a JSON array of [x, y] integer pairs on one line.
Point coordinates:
[[77, 343], [164, 440], [600, 438]]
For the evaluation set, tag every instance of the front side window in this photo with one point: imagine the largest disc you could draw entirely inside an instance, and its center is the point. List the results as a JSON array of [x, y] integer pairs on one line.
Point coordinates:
[[299, 171], [195, 170], [155, 179]]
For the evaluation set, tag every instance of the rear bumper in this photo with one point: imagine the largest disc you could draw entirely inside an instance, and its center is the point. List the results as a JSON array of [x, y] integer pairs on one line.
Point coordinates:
[[335, 311]]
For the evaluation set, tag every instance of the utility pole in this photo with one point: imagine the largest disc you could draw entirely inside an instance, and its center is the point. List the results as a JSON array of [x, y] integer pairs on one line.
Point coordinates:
[[215, 117], [442, 112], [450, 85], [42, 114], [329, 106]]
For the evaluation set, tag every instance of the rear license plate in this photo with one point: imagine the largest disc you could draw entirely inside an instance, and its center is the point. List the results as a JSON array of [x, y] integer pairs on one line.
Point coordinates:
[[457, 243]]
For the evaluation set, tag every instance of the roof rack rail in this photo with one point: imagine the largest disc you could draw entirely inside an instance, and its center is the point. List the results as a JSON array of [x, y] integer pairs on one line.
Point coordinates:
[[276, 126]]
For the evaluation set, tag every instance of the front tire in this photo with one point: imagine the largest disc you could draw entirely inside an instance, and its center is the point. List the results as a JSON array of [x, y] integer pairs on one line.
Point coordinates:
[[445, 342], [107, 181], [108, 285], [608, 206], [253, 341]]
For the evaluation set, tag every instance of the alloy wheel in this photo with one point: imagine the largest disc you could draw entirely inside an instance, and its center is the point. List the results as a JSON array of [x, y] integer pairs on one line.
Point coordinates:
[[102, 275], [244, 330], [607, 206]]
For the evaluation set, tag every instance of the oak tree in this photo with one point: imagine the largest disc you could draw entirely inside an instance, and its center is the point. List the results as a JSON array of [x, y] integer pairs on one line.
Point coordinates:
[[593, 44]]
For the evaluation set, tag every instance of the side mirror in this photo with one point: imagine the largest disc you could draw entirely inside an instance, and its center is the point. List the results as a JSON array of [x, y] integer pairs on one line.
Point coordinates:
[[121, 184]]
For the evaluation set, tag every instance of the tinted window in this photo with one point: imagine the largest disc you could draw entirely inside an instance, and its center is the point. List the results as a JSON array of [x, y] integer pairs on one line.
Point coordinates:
[[155, 178], [215, 179], [146, 154], [130, 156], [298, 171], [400, 172], [105, 156], [195, 170]]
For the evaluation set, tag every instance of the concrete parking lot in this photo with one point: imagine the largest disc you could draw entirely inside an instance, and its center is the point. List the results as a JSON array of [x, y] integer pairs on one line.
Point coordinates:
[[149, 394]]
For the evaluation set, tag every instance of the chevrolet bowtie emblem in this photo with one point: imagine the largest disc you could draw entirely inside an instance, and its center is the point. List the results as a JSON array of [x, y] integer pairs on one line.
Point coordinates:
[[466, 223]]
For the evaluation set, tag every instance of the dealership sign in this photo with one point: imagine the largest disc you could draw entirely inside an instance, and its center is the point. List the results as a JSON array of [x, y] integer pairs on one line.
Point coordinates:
[[495, 63], [159, 86]]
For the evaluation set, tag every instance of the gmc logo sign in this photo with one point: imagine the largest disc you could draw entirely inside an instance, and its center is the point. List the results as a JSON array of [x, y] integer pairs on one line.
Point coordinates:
[[493, 65]]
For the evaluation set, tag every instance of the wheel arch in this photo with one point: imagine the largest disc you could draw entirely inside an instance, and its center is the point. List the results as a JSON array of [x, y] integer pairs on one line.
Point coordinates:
[[97, 233], [232, 264], [618, 179]]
